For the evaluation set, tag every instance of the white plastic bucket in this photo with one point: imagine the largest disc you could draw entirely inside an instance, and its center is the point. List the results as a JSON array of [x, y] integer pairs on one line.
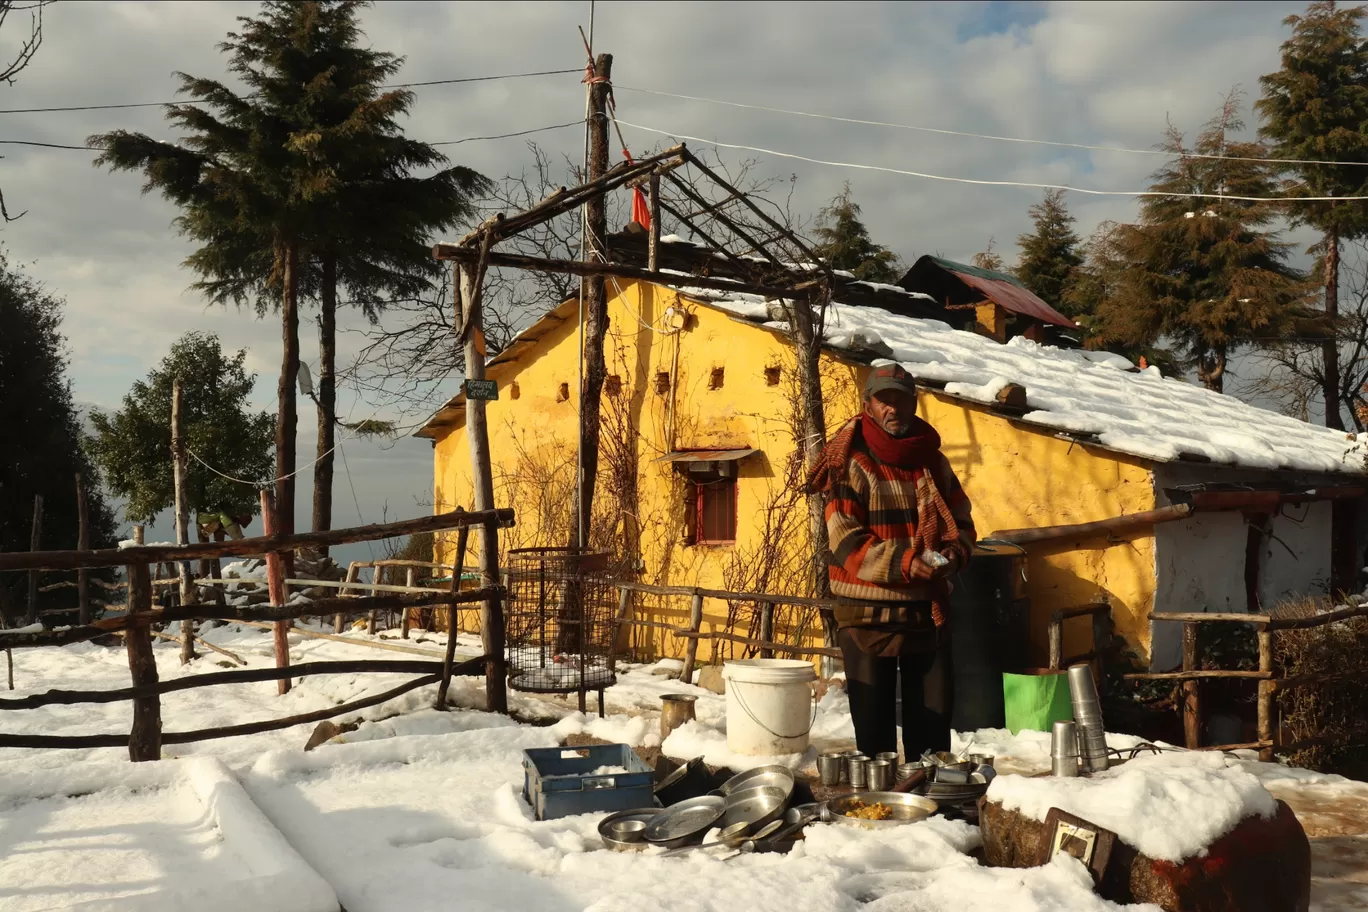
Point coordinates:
[[770, 708]]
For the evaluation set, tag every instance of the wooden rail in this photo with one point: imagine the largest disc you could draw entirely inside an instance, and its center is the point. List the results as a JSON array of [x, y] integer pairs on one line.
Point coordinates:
[[1267, 678]]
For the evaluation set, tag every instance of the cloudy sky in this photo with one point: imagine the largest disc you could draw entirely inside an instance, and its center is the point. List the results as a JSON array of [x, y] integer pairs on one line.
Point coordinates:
[[1106, 74]]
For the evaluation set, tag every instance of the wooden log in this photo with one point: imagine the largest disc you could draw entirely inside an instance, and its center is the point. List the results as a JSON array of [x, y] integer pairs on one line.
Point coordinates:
[[727, 595], [208, 734], [751, 641], [365, 644], [1318, 620], [1248, 745], [35, 542], [1116, 525], [469, 287], [235, 676], [449, 653], [1201, 617], [275, 580], [695, 627], [82, 544], [236, 615], [144, 740], [180, 478], [123, 557], [1198, 675], [766, 629], [1192, 700], [1065, 614]]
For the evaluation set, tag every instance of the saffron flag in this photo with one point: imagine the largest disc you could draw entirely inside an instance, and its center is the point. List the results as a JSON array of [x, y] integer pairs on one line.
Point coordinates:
[[641, 210]]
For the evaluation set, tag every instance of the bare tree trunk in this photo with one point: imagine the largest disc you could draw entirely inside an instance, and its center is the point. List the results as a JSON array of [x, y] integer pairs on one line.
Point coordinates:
[[812, 424], [287, 417], [35, 541], [180, 479], [327, 397], [595, 309], [1211, 370], [1330, 350]]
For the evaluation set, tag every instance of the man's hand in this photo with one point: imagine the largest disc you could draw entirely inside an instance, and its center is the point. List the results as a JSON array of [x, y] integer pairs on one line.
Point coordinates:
[[921, 570]]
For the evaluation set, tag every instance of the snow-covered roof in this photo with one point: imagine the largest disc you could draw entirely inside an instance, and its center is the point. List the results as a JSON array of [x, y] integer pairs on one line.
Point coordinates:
[[1095, 396]]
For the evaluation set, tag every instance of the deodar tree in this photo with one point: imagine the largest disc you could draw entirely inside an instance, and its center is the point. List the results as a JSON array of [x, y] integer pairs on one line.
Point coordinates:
[[1201, 270]]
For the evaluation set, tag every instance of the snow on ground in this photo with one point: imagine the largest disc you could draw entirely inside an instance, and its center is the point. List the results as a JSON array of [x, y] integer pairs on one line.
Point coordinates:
[[180, 834], [419, 809]]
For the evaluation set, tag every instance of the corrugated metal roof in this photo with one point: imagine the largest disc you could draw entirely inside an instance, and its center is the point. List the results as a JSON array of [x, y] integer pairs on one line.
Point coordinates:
[[1005, 291]]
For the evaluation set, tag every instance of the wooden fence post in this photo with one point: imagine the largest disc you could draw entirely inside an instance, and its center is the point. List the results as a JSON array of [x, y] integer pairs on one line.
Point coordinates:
[[1266, 690], [1056, 634], [492, 623], [275, 583], [624, 608], [352, 570], [1192, 701], [180, 479], [457, 568], [144, 740], [35, 544], [377, 577], [82, 544], [696, 626], [404, 614]]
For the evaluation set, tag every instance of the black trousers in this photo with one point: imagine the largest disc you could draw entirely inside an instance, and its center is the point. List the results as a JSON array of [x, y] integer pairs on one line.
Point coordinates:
[[928, 696]]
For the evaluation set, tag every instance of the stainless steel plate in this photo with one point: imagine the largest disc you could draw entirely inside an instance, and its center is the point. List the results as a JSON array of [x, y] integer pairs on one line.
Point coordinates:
[[777, 776], [688, 820], [906, 809], [755, 806]]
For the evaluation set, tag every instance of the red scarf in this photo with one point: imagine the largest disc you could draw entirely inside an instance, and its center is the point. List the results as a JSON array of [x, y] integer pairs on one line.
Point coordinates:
[[915, 450]]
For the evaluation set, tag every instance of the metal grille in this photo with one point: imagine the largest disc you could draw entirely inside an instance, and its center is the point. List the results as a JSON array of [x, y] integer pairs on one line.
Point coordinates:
[[560, 614]]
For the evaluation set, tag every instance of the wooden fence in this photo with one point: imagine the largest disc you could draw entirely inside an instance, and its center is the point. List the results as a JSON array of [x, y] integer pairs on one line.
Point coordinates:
[[146, 738], [1268, 679]]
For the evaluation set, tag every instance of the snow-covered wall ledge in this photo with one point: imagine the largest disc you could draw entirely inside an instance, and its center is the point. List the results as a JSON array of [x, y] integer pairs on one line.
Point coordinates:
[[1200, 562]]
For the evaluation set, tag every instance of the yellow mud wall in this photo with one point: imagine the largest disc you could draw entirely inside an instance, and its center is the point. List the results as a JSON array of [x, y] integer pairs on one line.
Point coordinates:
[[1015, 478]]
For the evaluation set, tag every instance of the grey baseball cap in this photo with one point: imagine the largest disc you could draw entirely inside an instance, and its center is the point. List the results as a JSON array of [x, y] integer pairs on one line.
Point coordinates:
[[889, 377]]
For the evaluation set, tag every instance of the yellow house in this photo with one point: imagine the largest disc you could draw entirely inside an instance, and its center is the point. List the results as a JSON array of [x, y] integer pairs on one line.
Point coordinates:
[[698, 473]]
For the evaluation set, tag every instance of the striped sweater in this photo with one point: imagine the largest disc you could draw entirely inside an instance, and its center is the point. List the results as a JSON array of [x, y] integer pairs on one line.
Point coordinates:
[[872, 524]]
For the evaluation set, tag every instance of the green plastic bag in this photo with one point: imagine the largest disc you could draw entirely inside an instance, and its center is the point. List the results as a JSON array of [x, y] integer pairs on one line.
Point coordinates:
[[1036, 700]]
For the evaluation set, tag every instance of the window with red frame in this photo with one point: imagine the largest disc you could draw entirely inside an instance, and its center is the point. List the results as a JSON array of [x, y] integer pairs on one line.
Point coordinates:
[[715, 511]]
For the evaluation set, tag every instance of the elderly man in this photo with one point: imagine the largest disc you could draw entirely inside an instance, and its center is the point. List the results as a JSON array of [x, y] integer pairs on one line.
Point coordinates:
[[899, 526]]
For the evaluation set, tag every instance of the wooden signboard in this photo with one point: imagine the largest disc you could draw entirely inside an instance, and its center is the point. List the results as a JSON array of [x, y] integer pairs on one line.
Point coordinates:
[[486, 390]]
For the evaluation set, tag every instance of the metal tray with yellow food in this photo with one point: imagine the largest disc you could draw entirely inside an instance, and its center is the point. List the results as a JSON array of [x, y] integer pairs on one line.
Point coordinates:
[[878, 810]]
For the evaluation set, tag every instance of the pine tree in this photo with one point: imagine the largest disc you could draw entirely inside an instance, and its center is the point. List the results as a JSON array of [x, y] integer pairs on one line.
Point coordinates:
[[299, 187], [1204, 274], [1050, 254], [1315, 109], [41, 447], [843, 242], [133, 444]]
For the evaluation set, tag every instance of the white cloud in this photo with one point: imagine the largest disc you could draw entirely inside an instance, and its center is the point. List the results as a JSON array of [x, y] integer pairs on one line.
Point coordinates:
[[1081, 72]]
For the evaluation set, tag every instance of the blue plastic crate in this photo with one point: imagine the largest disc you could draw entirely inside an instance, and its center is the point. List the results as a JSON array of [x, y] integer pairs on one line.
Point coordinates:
[[560, 781]]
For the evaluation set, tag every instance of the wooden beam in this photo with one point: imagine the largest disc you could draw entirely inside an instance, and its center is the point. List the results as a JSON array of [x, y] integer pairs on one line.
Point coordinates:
[[653, 241], [1192, 700], [259, 614], [449, 654], [618, 270], [1200, 617], [180, 478], [125, 557], [82, 544], [1116, 525]]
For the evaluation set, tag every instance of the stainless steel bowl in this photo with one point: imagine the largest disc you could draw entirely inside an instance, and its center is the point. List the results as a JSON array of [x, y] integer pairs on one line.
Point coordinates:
[[776, 776], [906, 809], [755, 806], [607, 826], [684, 823]]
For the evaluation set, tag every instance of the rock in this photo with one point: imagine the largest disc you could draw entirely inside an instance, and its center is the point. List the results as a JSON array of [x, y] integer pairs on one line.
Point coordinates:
[[327, 730], [1263, 865], [710, 678]]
